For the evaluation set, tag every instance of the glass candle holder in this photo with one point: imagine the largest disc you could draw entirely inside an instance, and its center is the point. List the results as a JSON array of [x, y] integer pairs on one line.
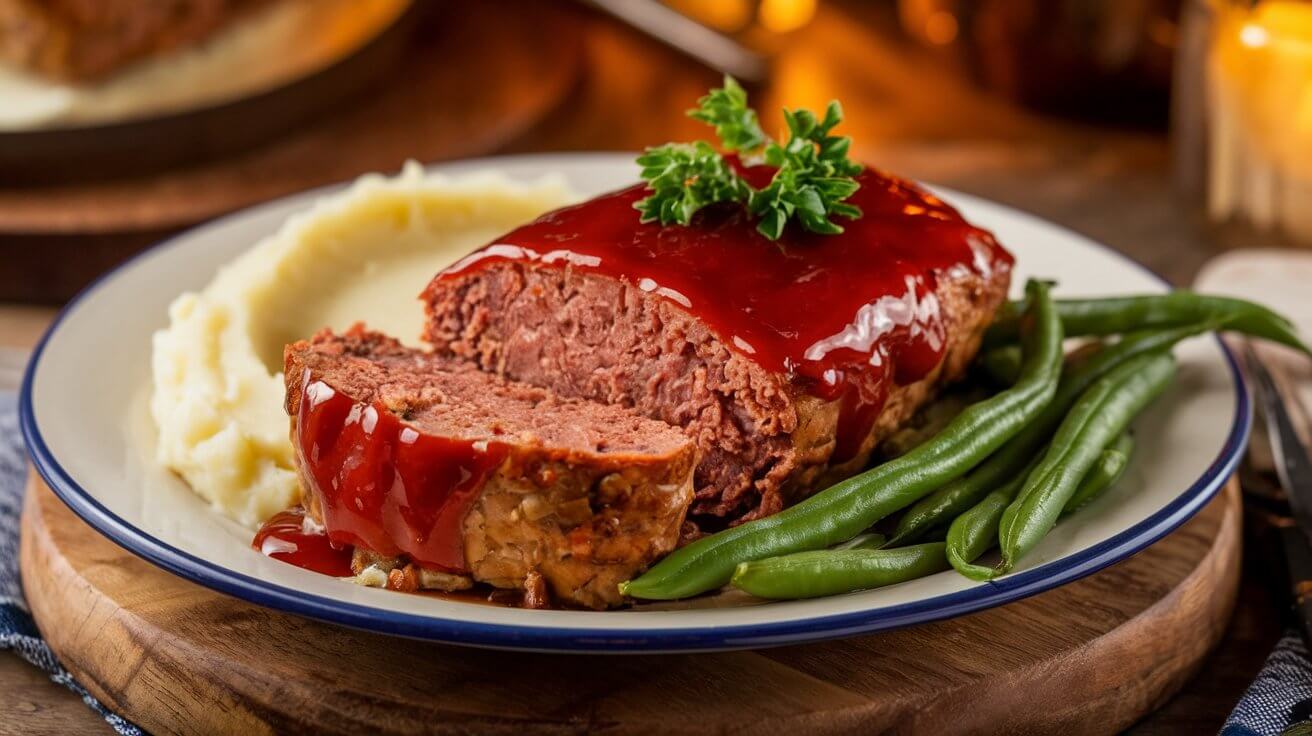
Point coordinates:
[[1243, 116]]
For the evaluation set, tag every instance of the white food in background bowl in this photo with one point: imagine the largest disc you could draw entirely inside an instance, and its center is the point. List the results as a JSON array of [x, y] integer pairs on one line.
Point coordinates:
[[273, 45], [362, 254]]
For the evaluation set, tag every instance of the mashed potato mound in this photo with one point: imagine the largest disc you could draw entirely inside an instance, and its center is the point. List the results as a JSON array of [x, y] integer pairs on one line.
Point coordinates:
[[361, 254]]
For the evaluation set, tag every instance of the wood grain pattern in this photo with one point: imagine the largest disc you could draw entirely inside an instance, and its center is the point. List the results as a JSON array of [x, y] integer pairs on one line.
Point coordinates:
[[1091, 657], [34, 704]]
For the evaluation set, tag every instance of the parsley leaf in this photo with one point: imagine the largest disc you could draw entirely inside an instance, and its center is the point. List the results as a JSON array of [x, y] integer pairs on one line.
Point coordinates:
[[735, 123], [685, 177], [814, 176]]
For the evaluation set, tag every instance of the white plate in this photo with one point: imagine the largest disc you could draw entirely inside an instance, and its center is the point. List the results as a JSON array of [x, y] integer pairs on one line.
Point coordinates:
[[85, 421]]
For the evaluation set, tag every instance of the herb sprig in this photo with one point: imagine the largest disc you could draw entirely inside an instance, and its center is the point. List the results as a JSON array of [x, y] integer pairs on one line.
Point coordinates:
[[812, 181], [726, 110], [685, 177]]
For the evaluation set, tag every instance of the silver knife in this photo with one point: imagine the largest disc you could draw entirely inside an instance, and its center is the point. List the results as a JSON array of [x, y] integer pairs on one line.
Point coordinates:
[[668, 26], [1294, 469]]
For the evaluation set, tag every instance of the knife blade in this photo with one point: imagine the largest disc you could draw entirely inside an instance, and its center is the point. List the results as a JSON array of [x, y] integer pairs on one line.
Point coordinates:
[[680, 32], [1294, 469], [1293, 464]]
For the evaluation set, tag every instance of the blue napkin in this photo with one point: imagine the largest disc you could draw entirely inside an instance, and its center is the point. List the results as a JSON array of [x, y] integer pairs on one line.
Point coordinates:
[[17, 630], [1280, 697]]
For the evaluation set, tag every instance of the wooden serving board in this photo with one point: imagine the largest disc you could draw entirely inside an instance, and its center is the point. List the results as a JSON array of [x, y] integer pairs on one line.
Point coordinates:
[[1090, 657]]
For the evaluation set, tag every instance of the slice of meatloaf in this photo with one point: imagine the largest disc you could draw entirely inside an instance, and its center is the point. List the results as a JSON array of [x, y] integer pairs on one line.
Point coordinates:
[[677, 323], [418, 458]]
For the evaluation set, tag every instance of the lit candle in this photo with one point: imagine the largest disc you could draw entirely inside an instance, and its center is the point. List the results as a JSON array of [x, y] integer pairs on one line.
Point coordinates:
[[1260, 102]]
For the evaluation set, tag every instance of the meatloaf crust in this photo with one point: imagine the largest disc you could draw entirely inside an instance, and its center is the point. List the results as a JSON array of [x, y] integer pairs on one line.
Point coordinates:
[[587, 495], [764, 443]]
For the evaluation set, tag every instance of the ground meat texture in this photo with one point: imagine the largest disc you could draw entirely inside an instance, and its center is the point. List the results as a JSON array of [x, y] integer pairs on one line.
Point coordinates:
[[764, 442], [584, 496]]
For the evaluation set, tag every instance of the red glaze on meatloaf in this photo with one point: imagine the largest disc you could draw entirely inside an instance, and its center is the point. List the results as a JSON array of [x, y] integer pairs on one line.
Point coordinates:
[[416, 458], [786, 361]]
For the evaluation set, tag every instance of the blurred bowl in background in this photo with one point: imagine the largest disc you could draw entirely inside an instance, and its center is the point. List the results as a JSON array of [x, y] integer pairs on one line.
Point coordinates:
[[1106, 61], [249, 80]]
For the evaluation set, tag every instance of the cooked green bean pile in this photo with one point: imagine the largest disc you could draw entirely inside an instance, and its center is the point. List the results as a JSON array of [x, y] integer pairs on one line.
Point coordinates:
[[955, 497], [1001, 474]]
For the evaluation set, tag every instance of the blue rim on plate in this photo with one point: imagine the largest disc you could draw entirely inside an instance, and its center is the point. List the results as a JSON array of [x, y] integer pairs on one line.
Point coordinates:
[[581, 640]]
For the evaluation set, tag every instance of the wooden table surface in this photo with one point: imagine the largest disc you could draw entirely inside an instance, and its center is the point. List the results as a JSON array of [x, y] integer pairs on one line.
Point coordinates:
[[908, 112]]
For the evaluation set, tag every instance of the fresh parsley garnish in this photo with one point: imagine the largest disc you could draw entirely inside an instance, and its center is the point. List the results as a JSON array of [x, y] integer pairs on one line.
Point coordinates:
[[685, 177], [812, 180], [814, 176], [735, 123]]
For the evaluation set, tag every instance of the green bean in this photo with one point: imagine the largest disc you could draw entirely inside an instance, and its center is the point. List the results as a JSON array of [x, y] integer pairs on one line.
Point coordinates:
[[1102, 412], [976, 531], [1122, 314], [956, 497], [851, 506], [820, 573], [862, 541], [1110, 467], [1001, 364]]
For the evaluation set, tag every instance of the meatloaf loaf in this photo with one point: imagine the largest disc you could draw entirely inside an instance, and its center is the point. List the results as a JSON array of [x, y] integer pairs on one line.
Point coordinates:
[[412, 457], [786, 361]]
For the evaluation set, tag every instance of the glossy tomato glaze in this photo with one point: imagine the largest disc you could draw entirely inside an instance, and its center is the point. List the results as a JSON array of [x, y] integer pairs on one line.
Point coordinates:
[[383, 485], [287, 537], [841, 315]]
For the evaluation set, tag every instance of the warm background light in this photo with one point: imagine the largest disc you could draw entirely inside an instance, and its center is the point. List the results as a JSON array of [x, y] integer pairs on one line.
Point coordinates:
[[941, 28], [782, 16], [1260, 90], [729, 16], [749, 17], [929, 20]]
